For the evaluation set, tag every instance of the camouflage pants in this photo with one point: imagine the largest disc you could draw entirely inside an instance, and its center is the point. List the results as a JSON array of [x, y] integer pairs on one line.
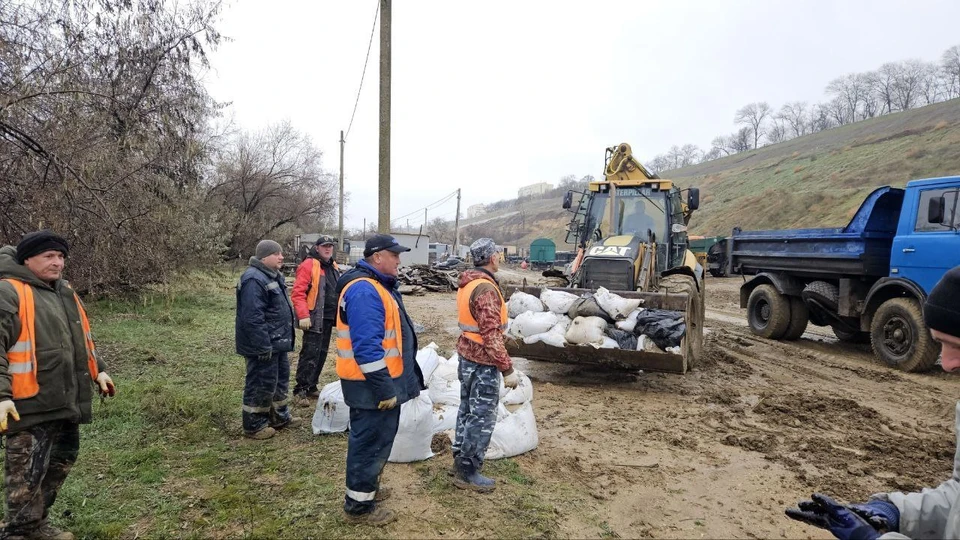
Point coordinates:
[[479, 397], [37, 462], [265, 399]]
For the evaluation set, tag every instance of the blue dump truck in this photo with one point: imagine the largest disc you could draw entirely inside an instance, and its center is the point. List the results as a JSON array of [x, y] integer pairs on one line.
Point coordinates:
[[867, 281]]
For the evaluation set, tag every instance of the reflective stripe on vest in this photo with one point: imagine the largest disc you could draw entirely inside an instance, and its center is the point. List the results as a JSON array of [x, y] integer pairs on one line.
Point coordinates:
[[468, 324], [23, 355], [315, 275], [347, 366]]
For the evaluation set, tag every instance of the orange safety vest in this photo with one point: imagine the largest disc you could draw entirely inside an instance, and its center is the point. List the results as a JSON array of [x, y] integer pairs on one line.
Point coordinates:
[[469, 325], [315, 276], [347, 366], [22, 356]]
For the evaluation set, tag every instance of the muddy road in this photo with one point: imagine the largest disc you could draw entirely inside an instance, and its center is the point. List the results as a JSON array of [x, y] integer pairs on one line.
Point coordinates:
[[722, 450]]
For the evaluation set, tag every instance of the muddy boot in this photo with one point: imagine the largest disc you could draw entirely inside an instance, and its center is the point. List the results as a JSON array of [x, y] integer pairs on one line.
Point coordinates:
[[49, 532], [383, 494], [378, 517], [468, 477], [261, 435], [294, 422]]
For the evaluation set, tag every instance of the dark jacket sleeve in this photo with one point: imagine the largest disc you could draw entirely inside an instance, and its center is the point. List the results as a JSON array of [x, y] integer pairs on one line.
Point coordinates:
[[367, 318], [251, 316], [9, 332]]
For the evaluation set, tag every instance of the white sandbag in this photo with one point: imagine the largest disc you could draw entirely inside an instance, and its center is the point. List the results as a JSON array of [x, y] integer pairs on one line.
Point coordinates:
[[630, 322], [446, 371], [617, 306], [557, 301], [514, 433], [428, 360], [415, 432], [332, 414], [562, 325], [552, 338], [444, 392], [646, 344], [586, 330], [516, 396], [444, 417], [521, 302], [609, 343], [530, 323], [674, 350]]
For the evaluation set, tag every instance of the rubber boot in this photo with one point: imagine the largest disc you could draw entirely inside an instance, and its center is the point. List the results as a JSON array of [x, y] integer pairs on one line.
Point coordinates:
[[468, 477]]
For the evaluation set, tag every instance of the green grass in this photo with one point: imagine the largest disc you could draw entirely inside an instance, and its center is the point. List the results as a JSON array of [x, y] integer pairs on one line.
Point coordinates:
[[166, 456]]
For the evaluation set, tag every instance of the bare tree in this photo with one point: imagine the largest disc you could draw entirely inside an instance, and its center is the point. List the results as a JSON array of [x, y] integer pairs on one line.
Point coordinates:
[[689, 154], [720, 145], [441, 230], [819, 118], [853, 90], [950, 64], [795, 116], [777, 131], [754, 115], [740, 141], [884, 85], [907, 82], [839, 111]]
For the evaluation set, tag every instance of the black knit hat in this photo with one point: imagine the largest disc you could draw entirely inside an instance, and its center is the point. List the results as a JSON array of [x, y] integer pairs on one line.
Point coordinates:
[[38, 242], [942, 309]]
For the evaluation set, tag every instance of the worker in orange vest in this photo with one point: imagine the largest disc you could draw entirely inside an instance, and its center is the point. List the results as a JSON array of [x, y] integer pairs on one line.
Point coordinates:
[[314, 298], [48, 371]]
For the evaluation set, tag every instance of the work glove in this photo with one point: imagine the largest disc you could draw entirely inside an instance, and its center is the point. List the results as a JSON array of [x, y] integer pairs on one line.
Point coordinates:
[[265, 357], [305, 324], [387, 404], [7, 408], [882, 515], [107, 388], [842, 522], [511, 380]]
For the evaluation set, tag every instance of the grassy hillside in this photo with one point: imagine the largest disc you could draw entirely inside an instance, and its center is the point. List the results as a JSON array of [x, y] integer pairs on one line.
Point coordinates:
[[817, 180]]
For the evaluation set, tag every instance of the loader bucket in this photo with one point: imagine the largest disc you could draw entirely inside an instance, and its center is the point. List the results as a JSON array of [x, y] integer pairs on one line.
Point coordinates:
[[619, 359]]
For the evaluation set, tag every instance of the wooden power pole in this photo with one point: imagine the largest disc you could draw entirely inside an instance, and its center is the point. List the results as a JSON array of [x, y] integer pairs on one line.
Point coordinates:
[[456, 226], [384, 214]]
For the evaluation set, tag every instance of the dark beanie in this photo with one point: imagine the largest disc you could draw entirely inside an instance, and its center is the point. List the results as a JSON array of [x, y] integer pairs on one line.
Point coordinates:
[[267, 248], [38, 242], [942, 309]]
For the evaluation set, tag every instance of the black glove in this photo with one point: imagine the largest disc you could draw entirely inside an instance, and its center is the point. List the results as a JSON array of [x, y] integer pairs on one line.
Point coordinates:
[[825, 513], [265, 357]]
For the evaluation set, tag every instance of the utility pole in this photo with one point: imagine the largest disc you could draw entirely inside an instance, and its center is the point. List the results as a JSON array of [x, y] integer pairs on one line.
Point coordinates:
[[384, 217], [408, 224], [424, 218], [363, 235], [340, 234], [456, 226]]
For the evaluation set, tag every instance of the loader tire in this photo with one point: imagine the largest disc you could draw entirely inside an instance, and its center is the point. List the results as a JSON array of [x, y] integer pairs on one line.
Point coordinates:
[[768, 312], [693, 340], [899, 337], [799, 317]]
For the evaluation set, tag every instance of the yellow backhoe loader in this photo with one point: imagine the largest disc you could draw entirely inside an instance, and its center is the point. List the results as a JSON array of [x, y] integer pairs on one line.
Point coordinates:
[[630, 230]]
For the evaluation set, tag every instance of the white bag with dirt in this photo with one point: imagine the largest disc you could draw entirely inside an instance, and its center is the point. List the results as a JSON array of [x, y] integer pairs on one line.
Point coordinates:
[[516, 396], [630, 322], [415, 432], [586, 330], [428, 360], [332, 414], [617, 306], [557, 301], [444, 417], [530, 323], [552, 338], [515, 432], [521, 302]]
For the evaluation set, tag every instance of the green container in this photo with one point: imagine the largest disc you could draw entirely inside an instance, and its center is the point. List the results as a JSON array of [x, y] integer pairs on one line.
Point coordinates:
[[543, 251], [702, 245]]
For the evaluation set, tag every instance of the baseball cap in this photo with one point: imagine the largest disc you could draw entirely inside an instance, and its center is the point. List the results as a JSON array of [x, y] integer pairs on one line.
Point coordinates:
[[324, 240], [380, 242]]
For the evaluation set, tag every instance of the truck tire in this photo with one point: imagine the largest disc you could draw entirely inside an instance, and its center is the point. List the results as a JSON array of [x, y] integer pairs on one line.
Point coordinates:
[[768, 312], [799, 317], [693, 340], [899, 337], [851, 337]]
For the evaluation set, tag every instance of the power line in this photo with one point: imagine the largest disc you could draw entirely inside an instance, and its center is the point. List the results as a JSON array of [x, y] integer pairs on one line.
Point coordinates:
[[428, 207], [364, 73]]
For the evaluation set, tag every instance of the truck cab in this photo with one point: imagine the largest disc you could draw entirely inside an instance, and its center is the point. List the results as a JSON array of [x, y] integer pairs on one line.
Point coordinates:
[[868, 280]]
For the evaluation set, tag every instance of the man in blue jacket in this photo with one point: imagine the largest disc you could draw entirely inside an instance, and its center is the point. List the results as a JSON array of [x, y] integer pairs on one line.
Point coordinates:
[[376, 363], [264, 335]]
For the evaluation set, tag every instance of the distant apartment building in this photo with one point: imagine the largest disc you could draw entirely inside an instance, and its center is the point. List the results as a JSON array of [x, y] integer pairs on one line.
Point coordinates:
[[534, 190], [476, 210]]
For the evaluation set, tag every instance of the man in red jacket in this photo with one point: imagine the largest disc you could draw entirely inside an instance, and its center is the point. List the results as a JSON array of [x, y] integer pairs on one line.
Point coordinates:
[[315, 302]]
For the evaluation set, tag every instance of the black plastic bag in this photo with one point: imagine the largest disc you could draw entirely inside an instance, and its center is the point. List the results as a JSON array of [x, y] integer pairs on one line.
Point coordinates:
[[624, 339], [666, 328]]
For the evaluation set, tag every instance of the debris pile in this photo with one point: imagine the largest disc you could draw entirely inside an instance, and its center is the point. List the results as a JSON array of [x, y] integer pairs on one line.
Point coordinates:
[[419, 278]]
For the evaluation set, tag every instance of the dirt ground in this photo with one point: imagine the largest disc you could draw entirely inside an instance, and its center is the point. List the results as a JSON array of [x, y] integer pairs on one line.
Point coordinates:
[[721, 451]]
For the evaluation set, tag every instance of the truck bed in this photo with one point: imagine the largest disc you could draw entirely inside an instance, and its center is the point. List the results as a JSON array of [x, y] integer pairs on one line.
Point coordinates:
[[862, 248]]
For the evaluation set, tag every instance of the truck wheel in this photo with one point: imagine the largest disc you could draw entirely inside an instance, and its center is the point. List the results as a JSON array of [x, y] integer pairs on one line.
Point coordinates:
[[851, 337], [899, 337], [799, 317], [716, 272], [768, 312]]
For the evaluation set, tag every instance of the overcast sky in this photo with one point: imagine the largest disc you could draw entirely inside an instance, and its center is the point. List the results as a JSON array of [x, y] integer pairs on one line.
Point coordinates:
[[490, 96]]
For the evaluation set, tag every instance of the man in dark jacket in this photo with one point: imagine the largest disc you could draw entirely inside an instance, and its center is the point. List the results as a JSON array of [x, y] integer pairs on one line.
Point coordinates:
[[264, 335], [42, 321], [315, 302], [376, 363]]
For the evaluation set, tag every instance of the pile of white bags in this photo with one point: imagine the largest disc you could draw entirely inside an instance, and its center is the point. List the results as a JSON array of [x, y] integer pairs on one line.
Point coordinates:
[[435, 411], [521, 302]]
